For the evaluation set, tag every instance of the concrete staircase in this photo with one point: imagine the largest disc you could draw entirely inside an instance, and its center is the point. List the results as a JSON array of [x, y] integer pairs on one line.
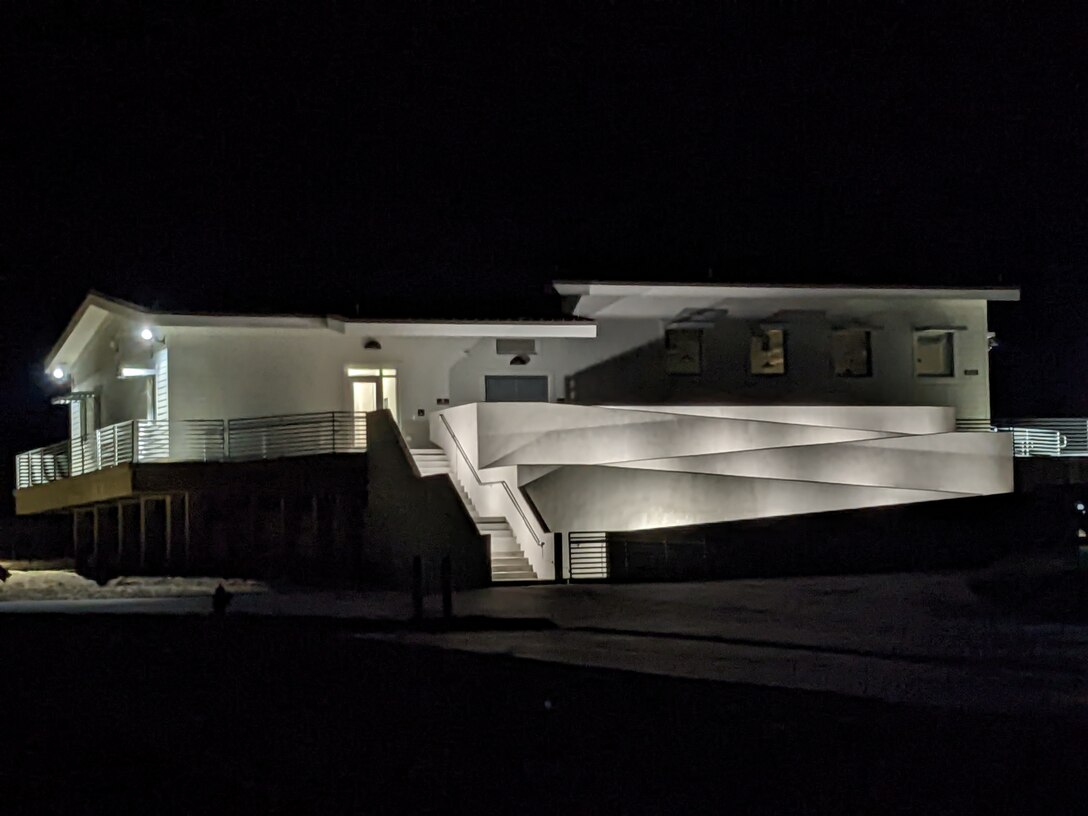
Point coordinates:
[[508, 562]]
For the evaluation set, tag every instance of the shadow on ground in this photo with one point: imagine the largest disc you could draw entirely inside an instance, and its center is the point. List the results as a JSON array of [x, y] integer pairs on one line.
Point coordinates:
[[187, 714]]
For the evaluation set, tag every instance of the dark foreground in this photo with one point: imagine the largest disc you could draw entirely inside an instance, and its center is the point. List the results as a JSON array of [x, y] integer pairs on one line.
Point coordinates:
[[173, 715]]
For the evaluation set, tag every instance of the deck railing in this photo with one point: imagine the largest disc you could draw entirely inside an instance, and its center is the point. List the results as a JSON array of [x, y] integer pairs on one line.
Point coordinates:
[[198, 440], [274, 437], [1045, 436]]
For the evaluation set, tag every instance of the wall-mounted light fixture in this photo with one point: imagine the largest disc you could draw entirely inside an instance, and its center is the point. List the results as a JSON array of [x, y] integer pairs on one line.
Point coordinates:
[[128, 372], [147, 334], [59, 373], [520, 359], [372, 344]]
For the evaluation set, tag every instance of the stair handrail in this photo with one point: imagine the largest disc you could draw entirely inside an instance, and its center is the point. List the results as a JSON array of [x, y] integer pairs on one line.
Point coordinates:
[[479, 481]]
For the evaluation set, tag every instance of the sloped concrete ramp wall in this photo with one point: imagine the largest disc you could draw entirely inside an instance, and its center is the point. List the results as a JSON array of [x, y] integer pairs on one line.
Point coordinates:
[[633, 468]]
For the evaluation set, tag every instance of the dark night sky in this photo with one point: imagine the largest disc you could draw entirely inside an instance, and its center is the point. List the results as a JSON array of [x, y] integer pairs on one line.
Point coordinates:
[[409, 157]]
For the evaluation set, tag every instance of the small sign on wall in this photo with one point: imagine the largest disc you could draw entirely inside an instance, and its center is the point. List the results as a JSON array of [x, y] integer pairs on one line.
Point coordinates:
[[971, 372], [442, 401]]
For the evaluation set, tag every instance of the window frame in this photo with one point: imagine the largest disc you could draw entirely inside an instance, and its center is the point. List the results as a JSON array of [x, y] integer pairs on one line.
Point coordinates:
[[763, 331], [868, 353], [670, 348], [950, 335]]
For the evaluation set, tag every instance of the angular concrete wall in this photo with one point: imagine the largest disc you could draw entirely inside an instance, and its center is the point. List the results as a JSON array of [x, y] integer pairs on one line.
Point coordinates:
[[629, 468]]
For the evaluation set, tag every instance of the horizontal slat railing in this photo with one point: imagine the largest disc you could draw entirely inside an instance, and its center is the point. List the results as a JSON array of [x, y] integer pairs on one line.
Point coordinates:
[[195, 440], [587, 555], [1043, 436], [970, 424], [42, 465], [1072, 433], [296, 435], [200, 440], [1034, 441], [115, 444]]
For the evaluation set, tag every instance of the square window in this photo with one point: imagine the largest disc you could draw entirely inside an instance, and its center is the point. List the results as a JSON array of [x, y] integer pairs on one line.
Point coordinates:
[[851, 353], [768, 352], [683, 351], [933, 354]]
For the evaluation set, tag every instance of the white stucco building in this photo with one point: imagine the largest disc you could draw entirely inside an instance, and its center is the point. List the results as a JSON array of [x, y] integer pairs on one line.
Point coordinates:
[[645, 406]]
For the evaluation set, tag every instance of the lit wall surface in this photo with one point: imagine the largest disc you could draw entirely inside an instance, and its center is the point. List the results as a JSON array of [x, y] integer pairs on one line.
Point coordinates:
[[631, 468]]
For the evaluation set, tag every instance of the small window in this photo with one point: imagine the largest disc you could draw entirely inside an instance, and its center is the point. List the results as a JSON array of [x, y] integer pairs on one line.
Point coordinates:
[[851, 353], [371, 372], [515, 345], [933, 354], [768, 352], [683, 351]]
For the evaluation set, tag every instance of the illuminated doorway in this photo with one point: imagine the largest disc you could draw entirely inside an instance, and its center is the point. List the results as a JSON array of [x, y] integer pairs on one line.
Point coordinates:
[[372, 389]]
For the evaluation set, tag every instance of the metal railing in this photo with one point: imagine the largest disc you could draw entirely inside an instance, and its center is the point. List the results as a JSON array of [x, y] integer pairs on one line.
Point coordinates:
[[115, 444], [1035, 441], [195, 440], [533, 536], [43, 465], [970, 424], [1072, 432], [275, 437], [587, 555], [1047, 436]]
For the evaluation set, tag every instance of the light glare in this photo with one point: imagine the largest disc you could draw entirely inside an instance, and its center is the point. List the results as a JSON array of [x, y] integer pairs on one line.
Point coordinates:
[[146, 333]]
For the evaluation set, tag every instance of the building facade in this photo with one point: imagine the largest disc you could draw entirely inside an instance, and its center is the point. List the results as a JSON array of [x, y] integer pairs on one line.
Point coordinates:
[[645, 406]]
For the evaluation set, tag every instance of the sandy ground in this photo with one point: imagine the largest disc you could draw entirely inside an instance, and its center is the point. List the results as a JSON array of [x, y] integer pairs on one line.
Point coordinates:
[[65, 585]]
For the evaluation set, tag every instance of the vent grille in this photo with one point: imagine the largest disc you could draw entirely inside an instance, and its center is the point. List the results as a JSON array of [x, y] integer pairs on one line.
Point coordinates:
[[515, 345]]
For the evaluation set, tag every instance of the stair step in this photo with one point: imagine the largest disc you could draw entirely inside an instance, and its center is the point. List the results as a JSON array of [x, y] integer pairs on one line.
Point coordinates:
[[529, 576]]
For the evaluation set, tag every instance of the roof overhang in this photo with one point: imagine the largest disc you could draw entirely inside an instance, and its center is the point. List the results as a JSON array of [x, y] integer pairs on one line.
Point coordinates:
[[96, 308], [665, 300], [473, 328]]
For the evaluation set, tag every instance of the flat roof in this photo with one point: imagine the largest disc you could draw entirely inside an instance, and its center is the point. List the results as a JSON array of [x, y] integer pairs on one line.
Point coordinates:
[[750, 290]]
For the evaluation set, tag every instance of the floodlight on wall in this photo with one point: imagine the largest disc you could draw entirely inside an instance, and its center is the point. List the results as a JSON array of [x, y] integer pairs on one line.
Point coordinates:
[[147, 334], [372, 344], [520, 359], [59, 373]]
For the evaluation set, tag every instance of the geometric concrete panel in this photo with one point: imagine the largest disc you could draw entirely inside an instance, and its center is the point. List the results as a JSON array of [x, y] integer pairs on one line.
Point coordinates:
[[620, 499], [968, 463], [637, 467]]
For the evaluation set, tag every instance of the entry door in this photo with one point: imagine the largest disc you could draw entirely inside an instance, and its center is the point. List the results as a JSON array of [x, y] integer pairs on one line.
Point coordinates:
[[366, 393]]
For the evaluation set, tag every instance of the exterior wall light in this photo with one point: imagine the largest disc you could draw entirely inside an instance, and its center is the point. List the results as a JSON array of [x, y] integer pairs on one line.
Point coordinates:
[[127, 372], [58, 373], [520, 359], [147, 334], [372, 344]]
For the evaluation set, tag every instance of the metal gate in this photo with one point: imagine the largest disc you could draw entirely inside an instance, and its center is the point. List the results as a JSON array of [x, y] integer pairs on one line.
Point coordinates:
[[588, 555]]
